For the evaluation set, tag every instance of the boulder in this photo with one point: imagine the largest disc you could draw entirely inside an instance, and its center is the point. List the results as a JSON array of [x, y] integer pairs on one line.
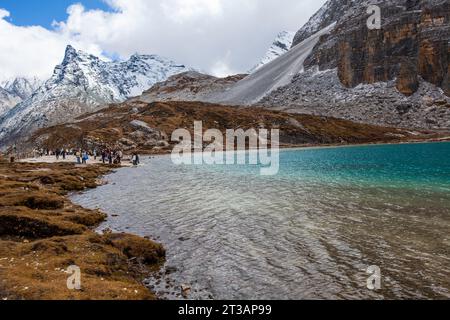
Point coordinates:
[[142, 126]]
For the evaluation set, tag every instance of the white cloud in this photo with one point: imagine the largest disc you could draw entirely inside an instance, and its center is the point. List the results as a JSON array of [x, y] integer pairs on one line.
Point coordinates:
[[218, 36], [4, 13], [184, 10], [222, 68]]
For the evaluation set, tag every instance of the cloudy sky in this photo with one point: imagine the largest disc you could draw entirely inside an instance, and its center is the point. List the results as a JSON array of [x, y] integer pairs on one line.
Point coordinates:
[[217, 36]]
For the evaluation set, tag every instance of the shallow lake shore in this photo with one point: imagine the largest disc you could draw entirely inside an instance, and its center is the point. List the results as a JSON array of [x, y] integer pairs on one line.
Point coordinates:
[[309, 232], [127, 163]]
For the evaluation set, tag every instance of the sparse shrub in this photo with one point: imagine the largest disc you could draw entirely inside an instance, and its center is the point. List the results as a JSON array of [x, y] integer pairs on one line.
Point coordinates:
[[43, 203]]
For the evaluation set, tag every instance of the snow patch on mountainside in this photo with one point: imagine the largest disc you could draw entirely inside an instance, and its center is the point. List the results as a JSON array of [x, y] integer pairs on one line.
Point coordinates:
[[280, 46], [81, 84]]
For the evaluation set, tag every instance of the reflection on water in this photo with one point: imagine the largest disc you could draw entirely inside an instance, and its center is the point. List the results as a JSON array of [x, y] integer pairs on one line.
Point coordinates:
[[310, 232]]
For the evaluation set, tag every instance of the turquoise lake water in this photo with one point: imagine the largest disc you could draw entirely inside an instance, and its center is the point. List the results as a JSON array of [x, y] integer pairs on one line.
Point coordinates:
[[309, 232]]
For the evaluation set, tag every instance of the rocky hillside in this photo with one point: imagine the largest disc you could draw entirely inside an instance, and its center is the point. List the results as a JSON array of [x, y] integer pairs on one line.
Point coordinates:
[[321, 92], [280, 46], [398, 75], [189, 86], [81, 84], [147, 127]]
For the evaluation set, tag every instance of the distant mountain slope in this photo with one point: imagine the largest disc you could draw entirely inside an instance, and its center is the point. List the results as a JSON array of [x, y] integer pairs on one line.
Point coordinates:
[[81, 84], [15, 91], [7, 101], [22, 87], [280, 46], [189, 86]]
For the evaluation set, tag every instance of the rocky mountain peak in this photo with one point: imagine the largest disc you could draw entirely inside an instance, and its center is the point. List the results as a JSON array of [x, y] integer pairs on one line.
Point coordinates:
[[329, 13], [72, 55], [139, 57]]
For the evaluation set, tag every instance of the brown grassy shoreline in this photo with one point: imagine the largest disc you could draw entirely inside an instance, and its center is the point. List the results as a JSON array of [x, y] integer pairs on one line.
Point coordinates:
[[42, 233]]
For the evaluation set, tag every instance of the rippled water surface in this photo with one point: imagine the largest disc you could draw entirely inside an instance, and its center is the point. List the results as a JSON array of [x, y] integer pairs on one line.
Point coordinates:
[[309, 232]]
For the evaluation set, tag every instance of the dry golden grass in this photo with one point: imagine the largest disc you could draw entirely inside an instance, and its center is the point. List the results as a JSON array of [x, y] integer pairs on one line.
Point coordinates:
[[42, 233]]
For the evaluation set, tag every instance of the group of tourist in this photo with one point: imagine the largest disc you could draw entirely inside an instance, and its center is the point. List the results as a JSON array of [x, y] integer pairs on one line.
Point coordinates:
[[110, 156], [106, 156], [58, 153], [81, 156]]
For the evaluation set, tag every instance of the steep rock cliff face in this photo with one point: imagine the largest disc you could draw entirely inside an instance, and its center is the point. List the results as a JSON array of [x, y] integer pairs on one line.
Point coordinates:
[[413, 42], [446, 83], [397, 75]]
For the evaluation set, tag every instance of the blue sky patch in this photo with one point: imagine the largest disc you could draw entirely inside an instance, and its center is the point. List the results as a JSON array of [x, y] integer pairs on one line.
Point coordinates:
[[44, 12]]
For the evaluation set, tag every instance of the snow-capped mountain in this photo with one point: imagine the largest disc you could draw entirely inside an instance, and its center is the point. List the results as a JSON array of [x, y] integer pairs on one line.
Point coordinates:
[[22, 87], [15, 91], [83, 83], [280, 46]]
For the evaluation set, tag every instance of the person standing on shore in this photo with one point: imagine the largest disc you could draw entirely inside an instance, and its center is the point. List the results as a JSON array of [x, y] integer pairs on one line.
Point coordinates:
[[135, 159], [78, 156], [85, 157]]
